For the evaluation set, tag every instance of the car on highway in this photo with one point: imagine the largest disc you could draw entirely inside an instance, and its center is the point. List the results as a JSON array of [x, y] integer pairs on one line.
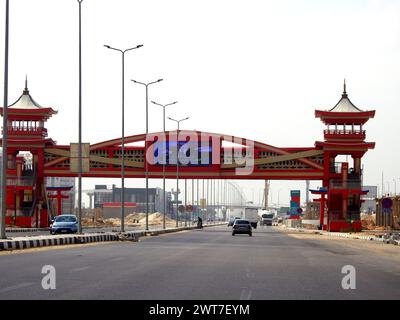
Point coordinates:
[[66, 223], [232, 221], [241, 226]]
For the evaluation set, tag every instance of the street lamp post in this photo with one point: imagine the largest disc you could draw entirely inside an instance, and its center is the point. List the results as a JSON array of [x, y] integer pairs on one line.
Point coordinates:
[[191, 214], [80, 124], [164, 159], [186, 202], [123, 133], [177, 164], [145, 145], [5, 133]]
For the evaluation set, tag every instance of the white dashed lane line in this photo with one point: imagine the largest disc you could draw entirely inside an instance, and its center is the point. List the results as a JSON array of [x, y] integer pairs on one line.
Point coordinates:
[[246, 294], [18, 286], [79, 269]]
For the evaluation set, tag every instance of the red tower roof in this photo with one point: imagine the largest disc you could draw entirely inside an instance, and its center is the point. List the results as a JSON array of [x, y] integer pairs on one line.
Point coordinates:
[[344, 112], [25, 108]]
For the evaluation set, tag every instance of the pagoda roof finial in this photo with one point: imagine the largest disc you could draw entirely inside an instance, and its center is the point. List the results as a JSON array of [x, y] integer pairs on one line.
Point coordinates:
[[344, 89], [26, 91]]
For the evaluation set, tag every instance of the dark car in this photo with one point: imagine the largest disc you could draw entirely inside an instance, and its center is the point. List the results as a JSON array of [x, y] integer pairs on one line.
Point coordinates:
[[241, 226], [66, 223], [232, 221]]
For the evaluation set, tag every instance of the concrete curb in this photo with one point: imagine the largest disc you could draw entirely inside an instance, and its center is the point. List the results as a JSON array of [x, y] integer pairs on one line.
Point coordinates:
[[55, 240], [44, 241], [348, 236], [12, 230]]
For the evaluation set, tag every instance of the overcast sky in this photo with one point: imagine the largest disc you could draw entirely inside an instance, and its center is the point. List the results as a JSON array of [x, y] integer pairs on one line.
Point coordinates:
[[253, 69]]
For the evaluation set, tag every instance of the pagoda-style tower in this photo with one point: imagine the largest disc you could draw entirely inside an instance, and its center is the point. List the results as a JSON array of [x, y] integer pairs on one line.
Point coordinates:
[[26, 205], [344, 136]]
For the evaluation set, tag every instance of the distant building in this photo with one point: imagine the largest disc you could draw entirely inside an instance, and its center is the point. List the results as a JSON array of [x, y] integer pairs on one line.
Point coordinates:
[[103, 194], [312, 211], [369, 204]]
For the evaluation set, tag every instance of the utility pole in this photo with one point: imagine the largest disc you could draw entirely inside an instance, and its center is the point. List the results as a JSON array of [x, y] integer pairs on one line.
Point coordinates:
[[266, 194], [307, 191]]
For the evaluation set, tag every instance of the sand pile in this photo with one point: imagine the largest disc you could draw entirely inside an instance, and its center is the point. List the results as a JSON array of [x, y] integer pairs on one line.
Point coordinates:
[[157, 218], [89, 222], [139, 220], [368, 222]]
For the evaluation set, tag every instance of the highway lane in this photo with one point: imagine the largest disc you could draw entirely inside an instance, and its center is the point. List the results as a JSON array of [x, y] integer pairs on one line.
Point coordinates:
[[207, 264]]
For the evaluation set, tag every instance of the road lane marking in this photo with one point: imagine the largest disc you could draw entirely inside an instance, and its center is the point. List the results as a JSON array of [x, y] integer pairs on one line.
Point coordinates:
[[79, 269], [249, 273], [18, 286], [246, 294], [117, 259]]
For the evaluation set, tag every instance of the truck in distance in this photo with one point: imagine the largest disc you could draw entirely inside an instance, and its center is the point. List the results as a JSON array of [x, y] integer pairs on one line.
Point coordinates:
[[267, 218], [251, 214]]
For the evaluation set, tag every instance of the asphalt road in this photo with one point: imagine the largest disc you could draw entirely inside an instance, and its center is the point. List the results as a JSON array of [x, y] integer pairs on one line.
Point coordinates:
[[207, 264]]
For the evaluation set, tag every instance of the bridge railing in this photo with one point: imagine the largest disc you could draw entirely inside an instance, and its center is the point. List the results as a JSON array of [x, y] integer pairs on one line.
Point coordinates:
[[349, 132], [27, 181], [337, 184], [348, 215], [26, 129]]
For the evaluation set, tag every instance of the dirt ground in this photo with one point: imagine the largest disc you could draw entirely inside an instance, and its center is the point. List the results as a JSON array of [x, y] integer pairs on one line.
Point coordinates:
[[131, 220]]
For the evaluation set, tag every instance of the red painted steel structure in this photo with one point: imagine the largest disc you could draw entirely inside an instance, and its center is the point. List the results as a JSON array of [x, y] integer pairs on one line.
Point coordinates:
[[344, 135], [57, 193]]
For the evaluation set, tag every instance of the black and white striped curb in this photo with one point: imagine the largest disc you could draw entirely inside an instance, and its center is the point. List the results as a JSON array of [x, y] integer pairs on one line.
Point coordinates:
[[55, 240], [44, 241]]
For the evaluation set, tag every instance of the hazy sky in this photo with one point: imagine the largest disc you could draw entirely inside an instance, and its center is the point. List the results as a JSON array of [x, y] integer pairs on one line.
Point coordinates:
[[255, 69]]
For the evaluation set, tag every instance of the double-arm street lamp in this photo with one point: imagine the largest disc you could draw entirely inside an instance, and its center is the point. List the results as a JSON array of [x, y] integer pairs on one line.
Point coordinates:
[[145, 145], [164, 150], [123, 133], [5, 128], [80, 123], [177, 165]]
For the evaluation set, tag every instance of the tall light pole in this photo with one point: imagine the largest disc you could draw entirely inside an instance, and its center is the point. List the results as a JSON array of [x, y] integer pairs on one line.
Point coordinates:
[[80, 124], [185, 202], [123, 133], [279, 191], [191, 215], [165, 150], [5, 133], [145, 145], [177, 164]]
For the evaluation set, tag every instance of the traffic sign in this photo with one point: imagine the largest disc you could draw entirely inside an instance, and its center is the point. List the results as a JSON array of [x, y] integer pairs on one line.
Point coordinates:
[[189, 208]]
